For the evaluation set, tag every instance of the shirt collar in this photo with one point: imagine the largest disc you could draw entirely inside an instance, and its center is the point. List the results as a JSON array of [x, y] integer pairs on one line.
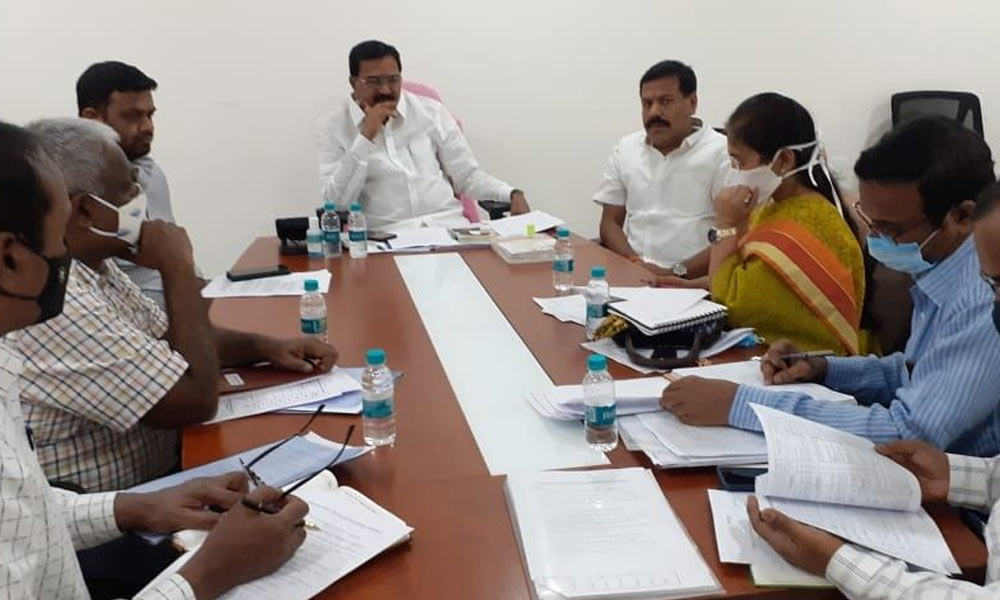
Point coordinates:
[[692, 138], [357, 114], [940, 282]]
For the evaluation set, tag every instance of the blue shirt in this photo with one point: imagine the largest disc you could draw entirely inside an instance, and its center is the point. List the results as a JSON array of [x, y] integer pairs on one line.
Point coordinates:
[[944, 388]]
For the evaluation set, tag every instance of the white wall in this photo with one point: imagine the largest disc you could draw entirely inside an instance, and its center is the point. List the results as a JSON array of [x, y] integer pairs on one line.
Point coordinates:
[[545, 87]]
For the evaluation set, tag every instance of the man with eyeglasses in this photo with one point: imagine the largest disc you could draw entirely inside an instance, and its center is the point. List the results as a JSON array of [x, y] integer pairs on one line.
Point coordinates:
[[917, 190], [401, 156]]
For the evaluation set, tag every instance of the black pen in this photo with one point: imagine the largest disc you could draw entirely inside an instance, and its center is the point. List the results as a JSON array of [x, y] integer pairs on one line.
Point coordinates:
[[806, 355]]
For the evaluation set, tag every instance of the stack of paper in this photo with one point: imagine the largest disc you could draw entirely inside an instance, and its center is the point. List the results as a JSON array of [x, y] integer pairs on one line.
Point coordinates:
[[568, 309], [573, 308], [525, 250], [518, 225], [748, 373], [422, 238], [632, 396], [330, 388], [607, 347], [653, 317], [292, 284], [603, 534], [835, 481]]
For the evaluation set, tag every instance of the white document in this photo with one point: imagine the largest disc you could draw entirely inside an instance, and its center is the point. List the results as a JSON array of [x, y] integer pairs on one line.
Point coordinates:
[[568, 309], [703, 442], [632, 396], [518, 225], [348, 404], [605, 533], [661, 306], [292, 284], [637, 437], [422, 237], [748, 373], [255, 402]]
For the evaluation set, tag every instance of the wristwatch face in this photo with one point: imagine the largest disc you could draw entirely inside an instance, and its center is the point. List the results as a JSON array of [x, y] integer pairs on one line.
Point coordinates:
[[715, 234], [679, 269]]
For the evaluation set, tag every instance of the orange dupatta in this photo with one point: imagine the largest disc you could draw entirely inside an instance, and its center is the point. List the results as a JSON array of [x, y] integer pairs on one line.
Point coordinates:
[[813, 272]]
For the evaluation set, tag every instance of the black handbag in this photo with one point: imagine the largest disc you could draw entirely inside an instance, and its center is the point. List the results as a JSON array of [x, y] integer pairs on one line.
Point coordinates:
[[692, 339]]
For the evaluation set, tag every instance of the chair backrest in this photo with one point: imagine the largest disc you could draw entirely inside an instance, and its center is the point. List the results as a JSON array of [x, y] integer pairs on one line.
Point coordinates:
[[963, 107]]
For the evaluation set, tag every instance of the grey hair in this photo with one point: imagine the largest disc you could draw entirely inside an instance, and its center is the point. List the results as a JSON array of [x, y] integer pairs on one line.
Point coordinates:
[[82, 149]]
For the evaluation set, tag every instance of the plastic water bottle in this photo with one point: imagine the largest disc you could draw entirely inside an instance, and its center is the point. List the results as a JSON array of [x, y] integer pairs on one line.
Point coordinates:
[[314, 239], [357, 232], [378, 408], [600, 425], [562, 265], [312, 311], [597, 294], [330, 224]]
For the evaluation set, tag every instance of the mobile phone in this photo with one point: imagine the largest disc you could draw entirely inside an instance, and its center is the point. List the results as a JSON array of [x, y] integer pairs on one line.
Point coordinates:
[[738, 479], [381, 236], [256, 272]]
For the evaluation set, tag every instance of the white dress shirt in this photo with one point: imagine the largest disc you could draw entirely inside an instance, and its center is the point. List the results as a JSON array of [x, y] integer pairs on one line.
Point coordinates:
[[41, 528], [667, 198], [409, 174], [865, 575]]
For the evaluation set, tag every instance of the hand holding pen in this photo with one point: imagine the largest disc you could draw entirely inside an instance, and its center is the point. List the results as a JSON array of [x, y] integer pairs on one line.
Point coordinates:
[[784, 363]]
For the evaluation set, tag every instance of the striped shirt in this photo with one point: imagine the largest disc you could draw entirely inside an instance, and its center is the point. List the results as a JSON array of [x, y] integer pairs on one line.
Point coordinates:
[[91, 374], [944, 388], [865, 575], [40, 528]]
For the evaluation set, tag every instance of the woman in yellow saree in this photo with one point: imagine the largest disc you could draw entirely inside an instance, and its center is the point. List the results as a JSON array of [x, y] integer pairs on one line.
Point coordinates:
[[784, 259]]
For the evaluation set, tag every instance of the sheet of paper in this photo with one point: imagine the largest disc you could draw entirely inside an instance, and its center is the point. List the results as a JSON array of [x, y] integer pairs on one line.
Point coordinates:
[[660, 306], [811, 461], [518, 225], [909, 536], [292, 284], [604, 533], [705, 442], [422, 237], [568, 309], [255, 402], [637, 437], [748, 373]]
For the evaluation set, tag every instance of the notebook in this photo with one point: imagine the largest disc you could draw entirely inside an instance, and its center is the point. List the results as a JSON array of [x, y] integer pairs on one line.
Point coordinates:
[[652, 319]]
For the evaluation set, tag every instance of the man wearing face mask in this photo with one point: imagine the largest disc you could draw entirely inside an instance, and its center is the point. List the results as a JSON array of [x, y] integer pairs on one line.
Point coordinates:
[[107, 383], [400, 155], [917, 186], [657, 188], [964, 481]]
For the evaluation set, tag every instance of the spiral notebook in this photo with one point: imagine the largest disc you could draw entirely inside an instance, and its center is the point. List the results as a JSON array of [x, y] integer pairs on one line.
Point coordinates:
[[654, 318]]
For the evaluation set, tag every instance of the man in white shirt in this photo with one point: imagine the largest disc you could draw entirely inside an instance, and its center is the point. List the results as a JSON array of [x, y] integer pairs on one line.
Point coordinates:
[[659, 183], [964, 481], [41, 526], [401, 156], [121, 96]]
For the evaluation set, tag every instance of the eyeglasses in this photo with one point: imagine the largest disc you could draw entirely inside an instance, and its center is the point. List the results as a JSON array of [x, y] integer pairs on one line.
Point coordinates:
[[991, 280], [258, 481], [905, 228], [376, 82]]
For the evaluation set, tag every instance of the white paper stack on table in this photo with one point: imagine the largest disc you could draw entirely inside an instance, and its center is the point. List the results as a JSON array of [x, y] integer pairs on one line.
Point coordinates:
[[421, 239], [573, 308], [835, 481], [292, 284], [672, 310], [608, 533], [335, 389], [518, 225], [346, 530]]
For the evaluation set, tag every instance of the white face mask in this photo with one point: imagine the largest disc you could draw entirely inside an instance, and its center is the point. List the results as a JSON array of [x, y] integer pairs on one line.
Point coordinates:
[[765, 181], [130, 218]]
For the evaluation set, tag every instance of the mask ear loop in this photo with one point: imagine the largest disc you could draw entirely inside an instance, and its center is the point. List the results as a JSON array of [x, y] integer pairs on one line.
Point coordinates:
[[818, 158]]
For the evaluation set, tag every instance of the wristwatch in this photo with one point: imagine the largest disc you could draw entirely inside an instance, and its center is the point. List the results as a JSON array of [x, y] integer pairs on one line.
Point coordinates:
[[716, 234], [679, 269]]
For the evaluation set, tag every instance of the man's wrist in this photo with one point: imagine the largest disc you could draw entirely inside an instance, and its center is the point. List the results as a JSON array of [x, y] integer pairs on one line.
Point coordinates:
[[132, 511], [204, 578]]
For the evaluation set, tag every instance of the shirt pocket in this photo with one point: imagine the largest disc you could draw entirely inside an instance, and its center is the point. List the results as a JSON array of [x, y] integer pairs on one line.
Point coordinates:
[[423, 156]]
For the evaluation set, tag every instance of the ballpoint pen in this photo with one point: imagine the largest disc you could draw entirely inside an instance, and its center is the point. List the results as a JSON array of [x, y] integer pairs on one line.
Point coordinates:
[[806, 355]]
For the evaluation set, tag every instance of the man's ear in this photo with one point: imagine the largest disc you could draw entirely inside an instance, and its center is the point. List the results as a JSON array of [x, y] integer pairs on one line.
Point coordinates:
[[81, 217], [694, 103], [961, 216], [92, 113]]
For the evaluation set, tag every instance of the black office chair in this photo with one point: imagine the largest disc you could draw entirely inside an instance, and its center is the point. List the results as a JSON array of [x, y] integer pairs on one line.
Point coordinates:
[[963, 107]]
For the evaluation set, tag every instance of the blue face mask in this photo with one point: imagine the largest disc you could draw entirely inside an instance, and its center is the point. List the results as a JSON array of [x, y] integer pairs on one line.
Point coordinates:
[[905, 258]]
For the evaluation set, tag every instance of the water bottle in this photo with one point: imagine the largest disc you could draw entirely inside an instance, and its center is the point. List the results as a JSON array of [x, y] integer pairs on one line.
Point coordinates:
[[314, 239], [562, 265], [378, 408], [597, 295], [357, 232], [600, 426], [330, 224], [312, 311]]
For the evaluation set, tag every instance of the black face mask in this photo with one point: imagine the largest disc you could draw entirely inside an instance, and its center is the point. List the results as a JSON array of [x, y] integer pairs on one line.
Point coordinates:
[[996, 315], [50, 300]]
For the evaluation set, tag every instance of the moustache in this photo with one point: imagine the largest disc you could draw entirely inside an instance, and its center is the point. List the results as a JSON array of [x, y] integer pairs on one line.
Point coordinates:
[[656, 121], [384, 98]]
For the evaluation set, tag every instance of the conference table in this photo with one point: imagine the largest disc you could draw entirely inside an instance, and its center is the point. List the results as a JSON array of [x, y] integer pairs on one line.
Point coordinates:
[[435, 477]]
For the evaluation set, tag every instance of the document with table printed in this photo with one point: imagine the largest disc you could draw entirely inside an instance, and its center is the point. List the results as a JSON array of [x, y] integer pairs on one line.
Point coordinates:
[[835, 481], [255, 402], [607, 533], [292, 284]]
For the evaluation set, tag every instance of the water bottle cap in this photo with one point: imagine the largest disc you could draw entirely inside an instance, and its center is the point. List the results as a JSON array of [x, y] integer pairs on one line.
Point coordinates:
[[329, 207], [597, 272], [596, 362], [312, 285], [375, 357], [562, 232], [355, 207]]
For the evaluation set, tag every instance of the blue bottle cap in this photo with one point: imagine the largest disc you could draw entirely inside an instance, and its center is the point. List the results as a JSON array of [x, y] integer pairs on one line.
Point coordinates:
[[355, 207], [596, 362], [330, 207], [375, 357], [312, 285], [597, 272], [562, 232]]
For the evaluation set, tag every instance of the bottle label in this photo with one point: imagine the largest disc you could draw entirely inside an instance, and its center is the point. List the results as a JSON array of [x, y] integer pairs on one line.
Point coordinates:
[[331, 238], [310, 326], [563, 266], [597, 311], [600, 417], [377, 409], [358, 235]]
